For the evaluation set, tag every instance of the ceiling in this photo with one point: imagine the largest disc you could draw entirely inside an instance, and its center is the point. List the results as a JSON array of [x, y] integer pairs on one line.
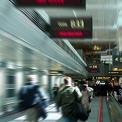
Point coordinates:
[[103, 12], [104, 15], [24, 45]]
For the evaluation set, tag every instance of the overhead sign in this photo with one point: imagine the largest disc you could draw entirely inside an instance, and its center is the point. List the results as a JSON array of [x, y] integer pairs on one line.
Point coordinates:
[[52, 3], [93, 69], [71, 27], [117, 58]]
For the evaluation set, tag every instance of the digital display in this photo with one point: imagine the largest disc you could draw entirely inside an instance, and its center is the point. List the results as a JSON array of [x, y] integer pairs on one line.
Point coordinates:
[[93, 69], [56, 3], [71, 27]]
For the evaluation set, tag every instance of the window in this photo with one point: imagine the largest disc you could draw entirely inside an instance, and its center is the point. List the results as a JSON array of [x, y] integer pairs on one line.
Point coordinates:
[[10, 89]]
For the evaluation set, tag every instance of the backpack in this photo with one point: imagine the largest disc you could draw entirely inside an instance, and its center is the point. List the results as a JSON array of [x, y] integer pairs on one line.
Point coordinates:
[[72, 104], [67, 95]]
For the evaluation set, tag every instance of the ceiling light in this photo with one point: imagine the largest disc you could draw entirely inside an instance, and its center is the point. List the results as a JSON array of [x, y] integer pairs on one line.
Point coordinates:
[[115, 69], [96, 48], [74, 13]]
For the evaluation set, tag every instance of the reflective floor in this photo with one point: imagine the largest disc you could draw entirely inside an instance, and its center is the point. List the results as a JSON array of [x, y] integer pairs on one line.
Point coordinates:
[[95, 115]]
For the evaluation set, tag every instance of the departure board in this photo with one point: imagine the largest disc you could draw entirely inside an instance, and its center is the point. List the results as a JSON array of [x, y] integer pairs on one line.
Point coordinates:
[[52, 3], [71, 27]]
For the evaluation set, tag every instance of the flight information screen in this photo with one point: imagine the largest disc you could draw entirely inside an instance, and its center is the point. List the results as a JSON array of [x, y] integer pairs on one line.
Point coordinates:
[[52, 3], [71, 27]]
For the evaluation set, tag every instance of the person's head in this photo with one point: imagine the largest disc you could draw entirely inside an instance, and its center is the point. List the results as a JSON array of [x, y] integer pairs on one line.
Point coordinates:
[[116, 83], [85, 83], [55, 85], [67, 81], [84, 87], [29, 79], [120, 84], [75, 83]]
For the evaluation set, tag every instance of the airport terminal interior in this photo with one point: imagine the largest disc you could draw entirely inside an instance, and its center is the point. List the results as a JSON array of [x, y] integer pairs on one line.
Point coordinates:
[[50, 41]]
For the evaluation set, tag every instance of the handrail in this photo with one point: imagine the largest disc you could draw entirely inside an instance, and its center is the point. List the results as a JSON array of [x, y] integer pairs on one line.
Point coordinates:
[[115, 110]]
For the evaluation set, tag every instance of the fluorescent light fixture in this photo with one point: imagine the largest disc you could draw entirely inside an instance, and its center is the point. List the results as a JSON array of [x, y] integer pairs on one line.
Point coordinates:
[[44, 15], [115, 69], [119, 20], [74, 13]]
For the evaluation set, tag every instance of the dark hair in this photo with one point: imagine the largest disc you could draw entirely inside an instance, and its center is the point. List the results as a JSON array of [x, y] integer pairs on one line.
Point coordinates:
[[85, 82], [28, 79], [65, 81], [76, 83], [83, 87]]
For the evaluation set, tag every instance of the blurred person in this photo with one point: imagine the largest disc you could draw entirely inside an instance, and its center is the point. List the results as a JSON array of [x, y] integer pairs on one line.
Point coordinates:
[[90, 90], [61, 86], [94, 88], [85, 98], [109, 88], [29, 97], [45, 95], [77, 88], [118, 91], [55, 90], [65, 99]]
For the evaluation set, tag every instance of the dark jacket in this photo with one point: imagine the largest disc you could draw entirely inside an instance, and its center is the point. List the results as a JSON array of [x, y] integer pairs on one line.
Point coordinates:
[[66, 98], [27, 96]]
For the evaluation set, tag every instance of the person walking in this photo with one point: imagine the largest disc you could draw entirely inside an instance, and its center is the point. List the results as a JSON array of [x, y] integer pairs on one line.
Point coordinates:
[[29, 97], [65, 99]]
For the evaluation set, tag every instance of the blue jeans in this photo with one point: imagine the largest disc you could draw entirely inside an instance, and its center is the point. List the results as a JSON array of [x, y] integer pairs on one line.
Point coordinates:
[[69, 119]]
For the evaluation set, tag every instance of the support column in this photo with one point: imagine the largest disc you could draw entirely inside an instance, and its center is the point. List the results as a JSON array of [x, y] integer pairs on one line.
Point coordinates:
[[43, 81], [119, 25], [120, 39], [58, 80], [50, 87], [19, 79], [2, 88], [53, 79]]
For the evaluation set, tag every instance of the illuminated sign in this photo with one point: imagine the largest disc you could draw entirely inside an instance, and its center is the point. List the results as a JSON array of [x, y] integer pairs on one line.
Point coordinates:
[[53, 3], [93, 69], [117, 58], [71, 27]]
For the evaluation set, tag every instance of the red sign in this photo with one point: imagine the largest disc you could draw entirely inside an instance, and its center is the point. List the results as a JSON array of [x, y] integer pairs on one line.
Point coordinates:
[[71, 27], [93, 69], [59, 3]]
